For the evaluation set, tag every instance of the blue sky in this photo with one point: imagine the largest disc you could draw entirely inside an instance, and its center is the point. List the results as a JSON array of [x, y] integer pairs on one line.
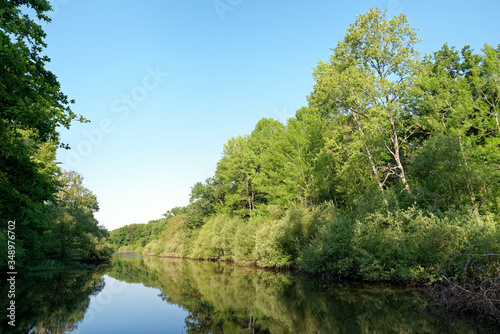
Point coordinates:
[[167, 83]]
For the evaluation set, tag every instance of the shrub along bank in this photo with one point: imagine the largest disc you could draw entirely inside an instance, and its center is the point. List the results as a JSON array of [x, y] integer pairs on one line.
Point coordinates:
[[406, 246], [409, 245]]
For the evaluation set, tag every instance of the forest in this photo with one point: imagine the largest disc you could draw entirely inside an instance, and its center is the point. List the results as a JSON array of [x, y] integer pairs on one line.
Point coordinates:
[[391, 172], [48, 211]]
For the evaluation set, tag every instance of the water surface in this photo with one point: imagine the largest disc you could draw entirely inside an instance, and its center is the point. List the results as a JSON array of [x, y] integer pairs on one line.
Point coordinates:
[[136, 294]]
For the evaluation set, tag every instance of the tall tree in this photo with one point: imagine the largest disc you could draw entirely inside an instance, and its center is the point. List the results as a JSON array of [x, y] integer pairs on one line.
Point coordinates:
[[205, 200], [235, 171], [367, 79], [32, 108], [242, 172], [262, 140], [73, 193], [30, 94], [31, 105], [288, 163]]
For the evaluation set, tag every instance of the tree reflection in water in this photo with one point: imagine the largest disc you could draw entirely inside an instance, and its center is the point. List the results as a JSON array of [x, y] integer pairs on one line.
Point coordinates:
[[52, 302], [225, 298]]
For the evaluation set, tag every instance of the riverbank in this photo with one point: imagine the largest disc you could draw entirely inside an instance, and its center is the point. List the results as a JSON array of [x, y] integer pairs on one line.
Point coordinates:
[[476, 291], [409, 247]]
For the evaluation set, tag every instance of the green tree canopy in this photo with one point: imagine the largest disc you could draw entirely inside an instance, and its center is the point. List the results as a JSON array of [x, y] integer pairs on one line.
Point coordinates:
[[366, 83], [32, 107]]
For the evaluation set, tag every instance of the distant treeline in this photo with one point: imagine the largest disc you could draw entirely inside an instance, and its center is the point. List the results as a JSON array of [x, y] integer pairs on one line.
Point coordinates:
[[391, 171]]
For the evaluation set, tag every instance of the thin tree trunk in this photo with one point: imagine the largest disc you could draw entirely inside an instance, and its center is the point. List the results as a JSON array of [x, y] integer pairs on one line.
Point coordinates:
[[397, 158], [253, 199], [469, 185], [249, 197], [496, 118], [372, 163], [375, 173]]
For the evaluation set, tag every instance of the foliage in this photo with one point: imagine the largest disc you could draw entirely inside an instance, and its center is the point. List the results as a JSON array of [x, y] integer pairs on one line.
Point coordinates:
[[456, 98], [215, 239], [366, 83], [52, 210], [406, 245], [74, 233], [31, 108], [278, 243], [137, 235]]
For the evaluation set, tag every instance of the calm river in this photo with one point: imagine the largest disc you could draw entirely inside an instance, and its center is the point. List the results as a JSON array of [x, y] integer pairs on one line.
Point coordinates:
[[135, 294]]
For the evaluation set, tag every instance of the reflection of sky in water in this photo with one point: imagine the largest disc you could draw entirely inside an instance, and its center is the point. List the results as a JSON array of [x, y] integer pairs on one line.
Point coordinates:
[[112, 312]]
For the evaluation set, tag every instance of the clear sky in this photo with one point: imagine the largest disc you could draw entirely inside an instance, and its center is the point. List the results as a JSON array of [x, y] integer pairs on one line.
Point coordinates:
[[167, 83]]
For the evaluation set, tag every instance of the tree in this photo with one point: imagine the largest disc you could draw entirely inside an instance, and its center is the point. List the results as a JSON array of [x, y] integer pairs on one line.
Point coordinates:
[[74, 233], [262, 141], [456, 98], [32, 107], [366, 83], [178, 210], [205, 199], [317, 131], [235, 171], [30, 95], [287, 164], [73, 193]]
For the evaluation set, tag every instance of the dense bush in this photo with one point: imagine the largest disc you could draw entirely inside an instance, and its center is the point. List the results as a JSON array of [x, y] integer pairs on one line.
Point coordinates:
[[215, 239], [243, 243], [331, 247], [278, 243], [406, 245]]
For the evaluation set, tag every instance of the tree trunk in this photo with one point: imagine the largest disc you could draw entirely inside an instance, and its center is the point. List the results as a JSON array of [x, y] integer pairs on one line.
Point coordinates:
[[250, 195], [469, 185], [397, 158], [372, 163]]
